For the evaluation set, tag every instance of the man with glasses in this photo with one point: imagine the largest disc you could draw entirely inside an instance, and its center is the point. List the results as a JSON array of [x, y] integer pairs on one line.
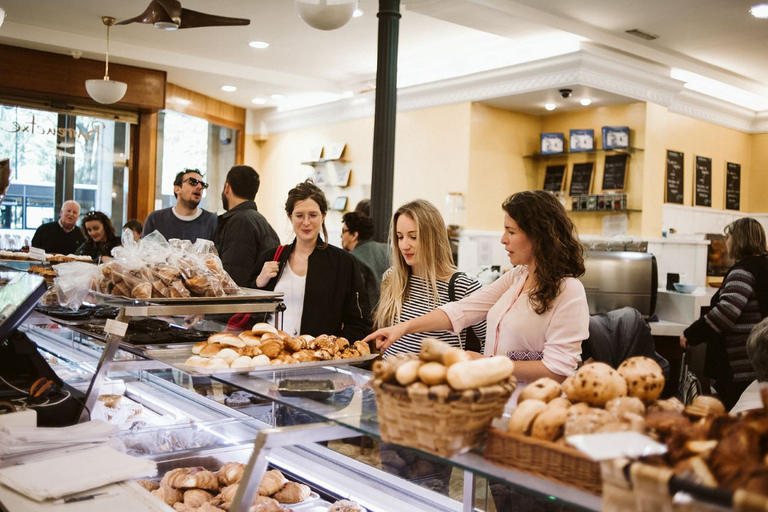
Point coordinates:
[[185, 220], [61, 236], [243, 233]]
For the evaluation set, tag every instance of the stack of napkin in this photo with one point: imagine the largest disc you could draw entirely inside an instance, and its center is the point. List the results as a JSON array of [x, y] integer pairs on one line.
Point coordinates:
[[18, 441]]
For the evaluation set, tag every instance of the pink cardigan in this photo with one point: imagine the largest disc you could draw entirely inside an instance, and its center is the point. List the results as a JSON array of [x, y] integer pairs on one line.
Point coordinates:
[[515, 330]]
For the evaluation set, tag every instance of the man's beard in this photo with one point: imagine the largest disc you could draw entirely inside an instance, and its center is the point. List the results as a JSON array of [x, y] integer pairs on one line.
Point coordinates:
[[224, 202], [189, 203]]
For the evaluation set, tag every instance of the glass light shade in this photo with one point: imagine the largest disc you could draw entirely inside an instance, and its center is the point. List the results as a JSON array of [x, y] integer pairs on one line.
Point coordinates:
[[106, 91], [325, 14]]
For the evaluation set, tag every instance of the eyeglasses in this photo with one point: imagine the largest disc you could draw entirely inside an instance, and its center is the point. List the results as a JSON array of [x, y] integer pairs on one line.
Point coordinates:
[[195, 182]]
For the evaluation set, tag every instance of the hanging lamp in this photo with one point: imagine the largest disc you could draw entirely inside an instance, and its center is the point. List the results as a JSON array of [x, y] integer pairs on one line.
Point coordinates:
[[325, 14], [104, 90]]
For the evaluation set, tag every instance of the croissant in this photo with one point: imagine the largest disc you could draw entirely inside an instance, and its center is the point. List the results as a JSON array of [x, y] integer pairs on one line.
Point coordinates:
[[167, 494], [267, 507], [304, 356], [149, 485], [341, 343], [230, 473], [325, 342], [196, 497], [191, 478], [293, 344], [227, 494], [362, 347], [272, 482], [292, 492], [350, 353], [142, 291], [250, 351], [271, 347], [325, 355]]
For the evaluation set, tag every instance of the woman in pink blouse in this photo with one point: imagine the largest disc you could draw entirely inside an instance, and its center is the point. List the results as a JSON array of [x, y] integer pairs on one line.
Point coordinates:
[[537, 312]]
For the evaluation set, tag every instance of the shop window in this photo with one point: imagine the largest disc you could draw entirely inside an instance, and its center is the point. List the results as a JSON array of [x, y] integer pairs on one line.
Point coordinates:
[[57, 156]]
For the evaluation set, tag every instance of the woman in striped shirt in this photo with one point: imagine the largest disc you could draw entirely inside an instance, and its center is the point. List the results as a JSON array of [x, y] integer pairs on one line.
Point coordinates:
[[418, 281], [739, 304]]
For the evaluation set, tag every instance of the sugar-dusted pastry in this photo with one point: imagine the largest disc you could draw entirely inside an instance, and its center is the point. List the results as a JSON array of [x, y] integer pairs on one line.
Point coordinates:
[[292, 492], [271, 482], [325, 342]]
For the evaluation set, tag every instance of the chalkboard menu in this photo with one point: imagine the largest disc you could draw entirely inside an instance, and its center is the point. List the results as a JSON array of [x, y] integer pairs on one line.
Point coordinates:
[[732, 186], [581, 179], [553, 179], [674, 191], [703, 181], [615, 172]]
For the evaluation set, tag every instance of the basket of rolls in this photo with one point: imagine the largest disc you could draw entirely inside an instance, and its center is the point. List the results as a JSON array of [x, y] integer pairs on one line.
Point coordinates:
[[440, 401], [597, 399]]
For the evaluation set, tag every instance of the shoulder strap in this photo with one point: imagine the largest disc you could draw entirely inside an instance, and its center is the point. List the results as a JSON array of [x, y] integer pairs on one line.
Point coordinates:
[[452, 286]]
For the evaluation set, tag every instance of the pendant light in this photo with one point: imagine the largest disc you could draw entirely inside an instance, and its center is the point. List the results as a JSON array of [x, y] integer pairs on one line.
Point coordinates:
[[325, 14], [106, 91]]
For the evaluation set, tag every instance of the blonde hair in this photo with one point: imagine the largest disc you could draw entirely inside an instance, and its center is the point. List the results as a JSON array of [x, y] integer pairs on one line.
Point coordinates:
[[434, 256]]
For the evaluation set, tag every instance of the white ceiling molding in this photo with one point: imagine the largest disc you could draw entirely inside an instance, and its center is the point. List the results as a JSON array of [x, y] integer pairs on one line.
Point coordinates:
[[609, 71]]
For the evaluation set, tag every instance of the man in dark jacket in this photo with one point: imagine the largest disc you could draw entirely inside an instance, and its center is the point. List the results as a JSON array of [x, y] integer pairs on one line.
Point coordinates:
[[61, 236], [242, 233]]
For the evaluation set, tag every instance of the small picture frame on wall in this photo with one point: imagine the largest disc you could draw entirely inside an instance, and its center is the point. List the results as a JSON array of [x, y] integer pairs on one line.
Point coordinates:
[[552, 143], [335, 150], [341, 176], [315, 153], [615, 137], [582, 140], [340, 204]]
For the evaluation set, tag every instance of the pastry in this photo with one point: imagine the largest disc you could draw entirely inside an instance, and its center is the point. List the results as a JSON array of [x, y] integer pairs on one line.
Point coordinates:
[[149, 485], [250, 338], [361, 347], [480, 372], [293, 344], [644, 377], [324, 354], [304, 356], [271, 347], [228, 493], [524, 414], [544, 389], [341, 343], [191, 478], [326, 343], [271, 482], [249, 351], [292, 492], [142, 291], [167, 494], [262, 328], [196, 497], [346, 506]]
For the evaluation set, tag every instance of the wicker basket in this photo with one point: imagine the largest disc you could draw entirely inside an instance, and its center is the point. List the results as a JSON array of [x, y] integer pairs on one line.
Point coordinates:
[[548, 460], [444, 424]]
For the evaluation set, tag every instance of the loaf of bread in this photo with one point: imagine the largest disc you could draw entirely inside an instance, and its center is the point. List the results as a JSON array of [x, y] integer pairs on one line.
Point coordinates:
[[480, 372], [544, 389]]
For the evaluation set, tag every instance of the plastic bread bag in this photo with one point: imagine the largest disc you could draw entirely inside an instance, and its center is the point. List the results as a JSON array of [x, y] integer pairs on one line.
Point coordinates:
[[128, 279], [197, 277], [206, 250], [73, 282]]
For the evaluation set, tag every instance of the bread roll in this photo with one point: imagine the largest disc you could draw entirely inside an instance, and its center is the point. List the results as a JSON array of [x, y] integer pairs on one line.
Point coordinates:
[[549, 423], [242, 362], [595, 384], [560, 401], [227, 354], [480, 372], [433, 349], [197, 361], [211, 350], [262, 328], [644, 377], [199, 346], [283, 334], [432, 373], [271, 482], [522, 417], [624, 405], [230, 340], [705, 405], [292, 492], [250, 338], [544, 389], [217, 364], [408, 372], [455, 355], [260, 360]]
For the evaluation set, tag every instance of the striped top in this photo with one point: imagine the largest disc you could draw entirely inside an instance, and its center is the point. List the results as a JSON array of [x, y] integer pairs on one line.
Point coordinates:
[[421, 301], [735, 314]]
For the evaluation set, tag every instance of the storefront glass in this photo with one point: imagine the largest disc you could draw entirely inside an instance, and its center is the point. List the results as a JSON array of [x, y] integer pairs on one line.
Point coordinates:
[[55, 157]]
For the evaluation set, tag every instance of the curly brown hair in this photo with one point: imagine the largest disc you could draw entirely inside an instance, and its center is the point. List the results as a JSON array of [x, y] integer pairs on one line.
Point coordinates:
[[556, 248], [308, 190]]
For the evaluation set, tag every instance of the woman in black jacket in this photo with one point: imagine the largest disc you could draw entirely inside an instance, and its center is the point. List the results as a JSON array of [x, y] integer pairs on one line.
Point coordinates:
[[322, 285], [100, 237]]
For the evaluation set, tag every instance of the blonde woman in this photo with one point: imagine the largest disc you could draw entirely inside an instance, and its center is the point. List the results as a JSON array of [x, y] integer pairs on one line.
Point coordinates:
[[420, 277]]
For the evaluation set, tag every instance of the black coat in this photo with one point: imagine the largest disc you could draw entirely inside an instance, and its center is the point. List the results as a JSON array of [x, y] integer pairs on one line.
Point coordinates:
[[241, 236], [335, 300]]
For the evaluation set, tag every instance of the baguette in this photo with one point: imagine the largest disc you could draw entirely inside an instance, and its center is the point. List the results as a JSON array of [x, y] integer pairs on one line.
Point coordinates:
[[479, 373]]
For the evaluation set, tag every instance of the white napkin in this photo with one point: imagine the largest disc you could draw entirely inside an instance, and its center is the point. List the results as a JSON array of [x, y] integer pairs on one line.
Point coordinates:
[[75, 433], [46, 479]]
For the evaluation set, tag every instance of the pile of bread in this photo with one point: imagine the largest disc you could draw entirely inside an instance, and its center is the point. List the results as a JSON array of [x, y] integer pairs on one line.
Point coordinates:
[[53, 259], [264, 345], [439, 369], [596, 399], [184, 276], [197, 489]]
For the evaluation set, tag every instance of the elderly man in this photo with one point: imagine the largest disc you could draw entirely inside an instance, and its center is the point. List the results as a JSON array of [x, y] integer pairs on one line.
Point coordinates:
[[757, 350], [61, 236], [185, 220]]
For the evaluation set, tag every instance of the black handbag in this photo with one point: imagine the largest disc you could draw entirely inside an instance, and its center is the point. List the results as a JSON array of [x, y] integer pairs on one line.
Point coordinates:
[[473, 342]]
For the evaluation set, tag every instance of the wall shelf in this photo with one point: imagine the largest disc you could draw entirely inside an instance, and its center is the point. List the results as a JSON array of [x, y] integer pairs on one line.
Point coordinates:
[[323, 161], [628, 210], [539, 156]]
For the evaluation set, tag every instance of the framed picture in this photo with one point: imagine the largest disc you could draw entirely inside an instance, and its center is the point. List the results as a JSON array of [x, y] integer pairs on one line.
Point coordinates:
[[340, 203], [341, 176], [319, 178], [582, 140], [552, 143], [615, 137]]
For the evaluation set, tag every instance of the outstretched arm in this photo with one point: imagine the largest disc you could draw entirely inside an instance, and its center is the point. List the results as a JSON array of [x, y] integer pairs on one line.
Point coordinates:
[[435, 320]]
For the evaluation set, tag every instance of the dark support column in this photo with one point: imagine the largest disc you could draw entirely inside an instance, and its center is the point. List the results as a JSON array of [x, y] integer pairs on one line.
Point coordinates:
[[384, 118]]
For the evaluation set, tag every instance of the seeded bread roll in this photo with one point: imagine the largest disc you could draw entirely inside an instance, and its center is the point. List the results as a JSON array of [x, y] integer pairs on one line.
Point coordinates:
[[596, 384], [549, 423], [644, 377]]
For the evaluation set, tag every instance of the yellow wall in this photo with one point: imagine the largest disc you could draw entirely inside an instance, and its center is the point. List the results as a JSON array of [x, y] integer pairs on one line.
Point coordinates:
[[498, 141], [754, 193], [431, 159]]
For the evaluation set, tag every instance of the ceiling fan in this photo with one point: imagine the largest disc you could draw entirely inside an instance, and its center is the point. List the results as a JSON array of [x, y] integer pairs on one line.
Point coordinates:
[[169, 15]]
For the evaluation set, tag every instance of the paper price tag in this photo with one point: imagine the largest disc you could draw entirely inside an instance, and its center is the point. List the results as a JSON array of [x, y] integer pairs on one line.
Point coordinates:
[[36, 254], [115, 327]]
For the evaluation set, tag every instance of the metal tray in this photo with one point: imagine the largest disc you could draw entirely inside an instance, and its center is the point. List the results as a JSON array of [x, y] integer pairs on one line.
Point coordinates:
[[177, 356], [246, 294]]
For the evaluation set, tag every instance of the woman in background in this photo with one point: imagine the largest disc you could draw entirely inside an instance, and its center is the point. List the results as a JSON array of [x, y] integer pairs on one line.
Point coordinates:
[[420, 277], [136, 228], [322, 285], [739, 305], [100, 237]]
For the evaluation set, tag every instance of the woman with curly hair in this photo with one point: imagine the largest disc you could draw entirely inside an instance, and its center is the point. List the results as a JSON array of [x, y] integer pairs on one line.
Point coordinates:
[[100, 237], [537, 312]]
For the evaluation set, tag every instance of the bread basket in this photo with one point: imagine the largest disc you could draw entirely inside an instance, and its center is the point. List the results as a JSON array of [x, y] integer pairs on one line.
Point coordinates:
[[444, 424], [553, 461]]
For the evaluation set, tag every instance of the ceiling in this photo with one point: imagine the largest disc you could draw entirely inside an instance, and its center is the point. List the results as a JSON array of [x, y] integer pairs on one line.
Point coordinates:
[[440, 40]]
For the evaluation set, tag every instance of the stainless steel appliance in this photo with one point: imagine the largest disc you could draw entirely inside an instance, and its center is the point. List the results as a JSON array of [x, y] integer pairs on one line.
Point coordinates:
[[614, 280]]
